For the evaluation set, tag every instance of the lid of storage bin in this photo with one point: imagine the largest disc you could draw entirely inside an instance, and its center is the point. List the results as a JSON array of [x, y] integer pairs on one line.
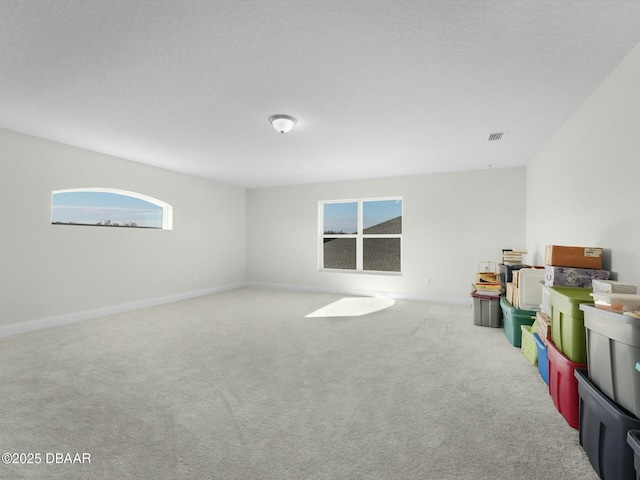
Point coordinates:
[[593, 313], [573, 294], [568, 299], [613, 325], [476, 294], [530, 288]]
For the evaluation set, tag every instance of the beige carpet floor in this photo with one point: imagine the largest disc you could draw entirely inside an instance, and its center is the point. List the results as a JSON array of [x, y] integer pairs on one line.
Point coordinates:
[[241, 385]]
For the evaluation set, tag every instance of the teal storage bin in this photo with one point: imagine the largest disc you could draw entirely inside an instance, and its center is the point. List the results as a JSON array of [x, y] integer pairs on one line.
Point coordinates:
[[513, 319]]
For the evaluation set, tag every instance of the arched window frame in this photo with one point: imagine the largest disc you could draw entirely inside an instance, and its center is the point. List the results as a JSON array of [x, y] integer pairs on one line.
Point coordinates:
[[167, 210]]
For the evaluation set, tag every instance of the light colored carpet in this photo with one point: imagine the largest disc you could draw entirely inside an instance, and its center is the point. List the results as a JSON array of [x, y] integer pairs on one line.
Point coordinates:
[[240, 385]]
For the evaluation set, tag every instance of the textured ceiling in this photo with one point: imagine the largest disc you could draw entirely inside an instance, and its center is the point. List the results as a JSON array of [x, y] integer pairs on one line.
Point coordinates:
[[379, 88]]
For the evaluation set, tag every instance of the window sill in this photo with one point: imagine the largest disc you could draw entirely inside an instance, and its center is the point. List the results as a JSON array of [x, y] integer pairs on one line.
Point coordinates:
[[360, 272]]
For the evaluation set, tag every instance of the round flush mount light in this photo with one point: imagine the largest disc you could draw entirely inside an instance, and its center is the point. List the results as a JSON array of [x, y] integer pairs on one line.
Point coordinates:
[[282, 123]]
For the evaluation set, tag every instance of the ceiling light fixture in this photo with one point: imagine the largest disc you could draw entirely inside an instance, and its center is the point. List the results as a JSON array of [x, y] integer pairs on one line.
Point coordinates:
[[282, 123]]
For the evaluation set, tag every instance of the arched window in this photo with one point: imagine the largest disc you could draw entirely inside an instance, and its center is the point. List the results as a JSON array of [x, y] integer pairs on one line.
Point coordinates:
[[109, 207]]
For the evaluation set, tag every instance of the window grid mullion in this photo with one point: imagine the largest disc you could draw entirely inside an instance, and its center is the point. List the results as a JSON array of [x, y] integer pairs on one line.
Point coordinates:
[[359, 242]]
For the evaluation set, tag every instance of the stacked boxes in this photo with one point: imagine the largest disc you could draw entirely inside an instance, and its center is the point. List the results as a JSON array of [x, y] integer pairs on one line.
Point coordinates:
[[567, 348], [573, 266], [613, 346], [589, 355], [610, 392], [617, 302], [616, 296]]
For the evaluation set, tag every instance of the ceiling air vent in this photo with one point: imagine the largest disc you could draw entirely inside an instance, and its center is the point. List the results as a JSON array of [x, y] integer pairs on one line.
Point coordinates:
[[496, 136]]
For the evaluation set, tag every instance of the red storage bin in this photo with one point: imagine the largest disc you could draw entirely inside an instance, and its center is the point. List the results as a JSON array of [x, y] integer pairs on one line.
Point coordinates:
[[563, 385]]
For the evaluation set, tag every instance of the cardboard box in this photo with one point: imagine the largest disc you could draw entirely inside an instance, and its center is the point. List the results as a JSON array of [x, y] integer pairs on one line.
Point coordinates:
[[572, 277], [543, 326], [515, 276], [578, 257]]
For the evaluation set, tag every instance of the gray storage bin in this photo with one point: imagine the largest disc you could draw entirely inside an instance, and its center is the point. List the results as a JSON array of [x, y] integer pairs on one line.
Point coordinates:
[[613, 349], [486, 311]]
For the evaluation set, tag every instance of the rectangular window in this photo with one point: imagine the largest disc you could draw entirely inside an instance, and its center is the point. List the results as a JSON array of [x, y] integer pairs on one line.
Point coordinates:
[[361, 235]]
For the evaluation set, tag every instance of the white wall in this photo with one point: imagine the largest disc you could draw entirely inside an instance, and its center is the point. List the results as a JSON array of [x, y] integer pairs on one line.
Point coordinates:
[[583, 188], [51, 270], [451, 221]]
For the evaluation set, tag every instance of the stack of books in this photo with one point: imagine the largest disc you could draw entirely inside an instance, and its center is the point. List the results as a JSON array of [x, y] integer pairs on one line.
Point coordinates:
[[488, 284], [512, 256]]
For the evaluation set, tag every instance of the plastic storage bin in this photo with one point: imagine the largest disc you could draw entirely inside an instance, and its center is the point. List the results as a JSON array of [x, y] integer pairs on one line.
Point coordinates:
[[613, 347], [563, 386], [603, 432], [528, 348], [633, 439], [543, 358], [567, 321], [486, 311], [513, 319]]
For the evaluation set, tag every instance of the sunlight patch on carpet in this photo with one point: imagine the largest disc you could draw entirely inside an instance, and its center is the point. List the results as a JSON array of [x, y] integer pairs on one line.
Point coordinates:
[[353, 307]]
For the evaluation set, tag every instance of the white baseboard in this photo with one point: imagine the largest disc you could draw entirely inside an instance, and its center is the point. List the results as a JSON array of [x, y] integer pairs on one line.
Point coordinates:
[[33, 325], [466, 301]]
